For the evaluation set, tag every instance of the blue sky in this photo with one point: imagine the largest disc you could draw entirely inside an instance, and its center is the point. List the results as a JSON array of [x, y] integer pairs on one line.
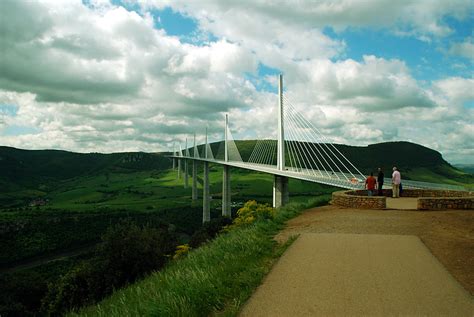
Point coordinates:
[[100, 75], [429, 60]]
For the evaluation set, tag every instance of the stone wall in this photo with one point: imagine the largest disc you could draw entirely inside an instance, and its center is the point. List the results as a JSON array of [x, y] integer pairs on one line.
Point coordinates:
[[428, 199], [443, 203], [358, 199], [409, 192]]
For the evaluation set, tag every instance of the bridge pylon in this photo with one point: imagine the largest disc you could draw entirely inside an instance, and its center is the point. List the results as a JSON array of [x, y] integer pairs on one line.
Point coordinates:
[[226, 194], [179, 162], [206, 206], [186, 173], [174, 160], [280, 183], [194, 193]]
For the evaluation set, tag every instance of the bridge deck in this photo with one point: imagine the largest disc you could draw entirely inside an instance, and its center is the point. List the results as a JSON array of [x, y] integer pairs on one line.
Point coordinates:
[[337, 179], [359, 275]]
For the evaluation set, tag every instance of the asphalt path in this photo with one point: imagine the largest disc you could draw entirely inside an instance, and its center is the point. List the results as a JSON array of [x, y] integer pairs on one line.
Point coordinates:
[[359, 275]]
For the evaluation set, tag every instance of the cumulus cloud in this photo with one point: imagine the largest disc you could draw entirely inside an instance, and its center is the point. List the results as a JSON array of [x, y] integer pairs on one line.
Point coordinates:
[[98, 77], [464, 49], [455, 90], [405, 17], [375, 84]]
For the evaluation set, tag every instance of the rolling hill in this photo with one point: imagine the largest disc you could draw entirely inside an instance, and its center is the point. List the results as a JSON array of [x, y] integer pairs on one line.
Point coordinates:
[[30, 168], [40, 169]]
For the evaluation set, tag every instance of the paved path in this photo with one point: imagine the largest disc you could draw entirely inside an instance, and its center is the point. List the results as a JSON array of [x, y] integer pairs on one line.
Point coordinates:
[[402, 203], [359, 275]]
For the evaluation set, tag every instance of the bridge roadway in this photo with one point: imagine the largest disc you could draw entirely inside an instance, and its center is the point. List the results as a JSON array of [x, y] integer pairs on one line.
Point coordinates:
[[337, 179]]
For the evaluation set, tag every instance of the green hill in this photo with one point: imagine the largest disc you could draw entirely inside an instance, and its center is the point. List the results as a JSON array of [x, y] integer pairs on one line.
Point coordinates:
[[468, 168], [36, 170], [30, 167], [32, 173], [415, 161]]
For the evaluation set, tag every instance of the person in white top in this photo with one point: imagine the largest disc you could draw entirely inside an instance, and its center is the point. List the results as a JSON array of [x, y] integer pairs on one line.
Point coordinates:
[[396, 180]]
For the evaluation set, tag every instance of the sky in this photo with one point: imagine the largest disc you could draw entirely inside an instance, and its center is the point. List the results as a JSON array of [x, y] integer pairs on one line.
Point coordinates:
[[113, 76]]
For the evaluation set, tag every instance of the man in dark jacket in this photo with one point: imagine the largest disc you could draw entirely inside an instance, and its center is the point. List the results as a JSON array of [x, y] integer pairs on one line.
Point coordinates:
[[380, 177]]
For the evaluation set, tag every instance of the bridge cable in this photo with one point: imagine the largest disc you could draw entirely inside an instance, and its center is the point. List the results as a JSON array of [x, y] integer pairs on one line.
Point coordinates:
[[301, 119], [326, 155], [324, 139]]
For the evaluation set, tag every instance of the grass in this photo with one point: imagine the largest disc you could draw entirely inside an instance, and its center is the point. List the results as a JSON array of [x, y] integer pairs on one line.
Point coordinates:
[[215, 279], [145, 190], [441, 174]]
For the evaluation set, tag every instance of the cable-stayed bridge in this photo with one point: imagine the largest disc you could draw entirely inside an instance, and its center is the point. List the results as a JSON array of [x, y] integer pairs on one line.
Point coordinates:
[[300, 151]]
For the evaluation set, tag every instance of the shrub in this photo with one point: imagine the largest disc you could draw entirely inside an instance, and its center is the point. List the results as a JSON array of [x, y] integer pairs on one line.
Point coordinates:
[[85, 284], [131, 251], [127, 253], [21, 292], [208, 231], [181, 251], [252, 211]]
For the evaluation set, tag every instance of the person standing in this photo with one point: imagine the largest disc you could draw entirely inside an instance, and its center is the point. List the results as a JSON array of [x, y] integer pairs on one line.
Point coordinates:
[[370, 184], [396, 180], [380, 177]]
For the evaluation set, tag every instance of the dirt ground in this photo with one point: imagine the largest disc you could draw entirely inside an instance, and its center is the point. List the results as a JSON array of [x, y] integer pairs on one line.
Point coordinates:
[[449, 235]]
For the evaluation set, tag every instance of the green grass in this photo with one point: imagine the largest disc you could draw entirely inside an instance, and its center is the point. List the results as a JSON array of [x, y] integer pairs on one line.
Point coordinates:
[[440, 174], [215, 279], [81, 208], [144, 190]]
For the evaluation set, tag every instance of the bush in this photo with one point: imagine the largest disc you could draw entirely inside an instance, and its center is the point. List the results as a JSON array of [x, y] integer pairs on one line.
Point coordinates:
[[252, 211], [127, 253], [85, 284], [208, 231], [131, 251], [181, 251], [214, 280], [21, 292]]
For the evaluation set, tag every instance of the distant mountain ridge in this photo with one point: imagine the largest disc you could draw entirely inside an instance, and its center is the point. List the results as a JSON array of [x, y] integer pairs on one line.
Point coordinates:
[[20, 168]]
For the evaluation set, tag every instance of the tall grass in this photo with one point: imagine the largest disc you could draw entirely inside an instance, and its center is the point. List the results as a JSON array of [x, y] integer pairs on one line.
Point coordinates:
[[215, 279]]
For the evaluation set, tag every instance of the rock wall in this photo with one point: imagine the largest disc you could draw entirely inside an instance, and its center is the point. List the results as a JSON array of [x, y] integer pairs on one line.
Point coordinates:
[[358, 199], [443, 203], [428, 199], [432, 193]]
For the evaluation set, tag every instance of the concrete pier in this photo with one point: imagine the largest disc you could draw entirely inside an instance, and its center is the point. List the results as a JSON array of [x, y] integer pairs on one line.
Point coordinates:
[[194, 189], [179, 168], [186, 174], [226, 194], [206, 204], [281, 194]]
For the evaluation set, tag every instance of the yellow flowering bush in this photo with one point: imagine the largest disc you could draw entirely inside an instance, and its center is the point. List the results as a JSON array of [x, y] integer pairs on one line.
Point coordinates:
[[252, 211], [181, 251]]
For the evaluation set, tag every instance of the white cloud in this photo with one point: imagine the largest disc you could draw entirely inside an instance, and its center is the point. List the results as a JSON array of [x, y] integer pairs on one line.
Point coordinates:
[[455, 90], [464, 49], [101, 78], [258, 18]]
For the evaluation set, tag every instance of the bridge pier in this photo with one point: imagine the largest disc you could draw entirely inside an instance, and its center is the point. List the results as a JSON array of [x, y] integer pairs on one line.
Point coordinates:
[[194, 189], [179, 168], [281, 194], [186, 174], [206, 206], [226, 194]]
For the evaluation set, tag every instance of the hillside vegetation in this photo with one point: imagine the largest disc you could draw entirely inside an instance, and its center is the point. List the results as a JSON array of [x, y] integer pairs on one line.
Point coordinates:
[[415, 161], [214, 280], [26, 173], [39, 244]]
